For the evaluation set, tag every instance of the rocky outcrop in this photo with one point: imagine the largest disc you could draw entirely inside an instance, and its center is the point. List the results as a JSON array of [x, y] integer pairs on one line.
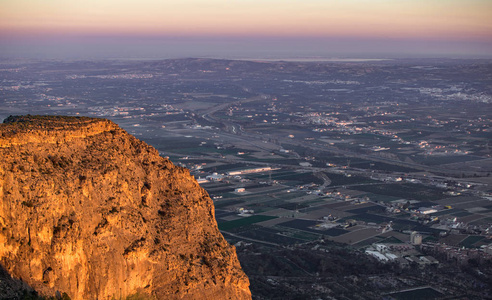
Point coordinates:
[[89, 210]]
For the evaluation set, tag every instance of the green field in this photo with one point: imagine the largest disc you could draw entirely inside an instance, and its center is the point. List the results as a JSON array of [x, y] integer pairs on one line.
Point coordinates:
[[384, 198], [471, 240], [338, 179], [442, 160], [226, 203], [244, 222], [405, 190]]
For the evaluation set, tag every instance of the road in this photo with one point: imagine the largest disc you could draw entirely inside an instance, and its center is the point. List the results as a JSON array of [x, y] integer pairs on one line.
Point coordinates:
[[250, 239], [235, 131]]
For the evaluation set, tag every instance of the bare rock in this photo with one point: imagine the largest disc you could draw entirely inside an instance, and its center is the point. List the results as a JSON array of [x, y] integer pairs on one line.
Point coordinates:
[[89, 210]]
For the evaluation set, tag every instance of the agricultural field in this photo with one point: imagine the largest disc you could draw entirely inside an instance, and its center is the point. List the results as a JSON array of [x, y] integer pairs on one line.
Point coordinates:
[[243, 222]]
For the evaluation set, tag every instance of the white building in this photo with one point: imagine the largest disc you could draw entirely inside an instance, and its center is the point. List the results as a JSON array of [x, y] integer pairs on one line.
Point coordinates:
[[415, 238], [202, 180], [377, 255], [427, 210], [381, 248], [215, 177], [249, 171]]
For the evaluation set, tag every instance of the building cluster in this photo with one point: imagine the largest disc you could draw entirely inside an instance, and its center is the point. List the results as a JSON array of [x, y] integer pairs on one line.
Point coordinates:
[[403, 254], [245, 212], [460, 255]]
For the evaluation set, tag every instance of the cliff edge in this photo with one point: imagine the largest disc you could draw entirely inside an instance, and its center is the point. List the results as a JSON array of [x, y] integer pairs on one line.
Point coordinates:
[[88, 210]]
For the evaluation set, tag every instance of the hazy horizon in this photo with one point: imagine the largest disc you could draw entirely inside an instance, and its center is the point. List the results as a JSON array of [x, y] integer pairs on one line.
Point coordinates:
[[235, 48], [57, 29]]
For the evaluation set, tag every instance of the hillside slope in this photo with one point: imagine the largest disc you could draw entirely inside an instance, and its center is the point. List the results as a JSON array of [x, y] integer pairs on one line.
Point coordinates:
[[89, 210]]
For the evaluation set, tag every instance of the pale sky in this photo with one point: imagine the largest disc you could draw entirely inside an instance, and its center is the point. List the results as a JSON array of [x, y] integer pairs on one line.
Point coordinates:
[[454, 26]]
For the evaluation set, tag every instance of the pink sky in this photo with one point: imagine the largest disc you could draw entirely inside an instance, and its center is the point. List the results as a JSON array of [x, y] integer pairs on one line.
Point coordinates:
[[468, 22]]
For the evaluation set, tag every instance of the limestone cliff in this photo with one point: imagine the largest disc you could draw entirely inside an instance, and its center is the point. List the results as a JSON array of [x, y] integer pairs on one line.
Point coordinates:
[[89, 210]]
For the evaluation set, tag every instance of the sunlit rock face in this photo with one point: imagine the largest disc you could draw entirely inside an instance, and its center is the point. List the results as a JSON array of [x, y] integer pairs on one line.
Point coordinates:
[[89, 210]]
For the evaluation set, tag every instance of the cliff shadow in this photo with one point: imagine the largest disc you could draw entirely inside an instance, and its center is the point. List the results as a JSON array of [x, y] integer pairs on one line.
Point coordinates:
[[15, 289]]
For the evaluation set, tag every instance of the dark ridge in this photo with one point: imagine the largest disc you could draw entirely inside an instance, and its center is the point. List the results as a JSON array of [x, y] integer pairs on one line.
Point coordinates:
[[43, 119], [28, 123]]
